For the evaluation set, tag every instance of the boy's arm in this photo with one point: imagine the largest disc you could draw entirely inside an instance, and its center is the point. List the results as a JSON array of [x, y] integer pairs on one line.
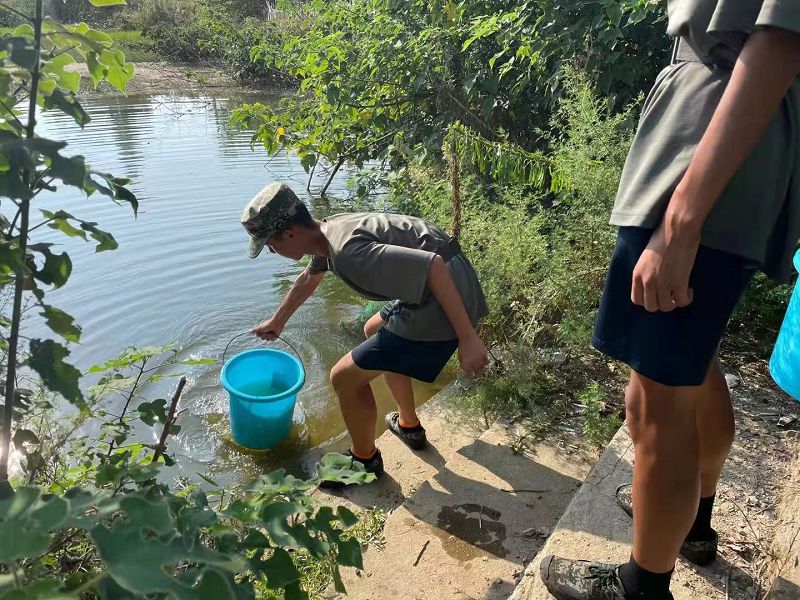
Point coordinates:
[[472, 353], [301, 290], [767, 65]]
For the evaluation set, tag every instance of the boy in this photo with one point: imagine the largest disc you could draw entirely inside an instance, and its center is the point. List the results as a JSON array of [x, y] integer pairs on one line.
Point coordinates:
[[435, 302], [710, 194]]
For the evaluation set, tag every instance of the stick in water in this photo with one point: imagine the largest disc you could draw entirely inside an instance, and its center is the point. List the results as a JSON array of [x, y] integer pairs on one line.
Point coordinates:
[[162, 443]]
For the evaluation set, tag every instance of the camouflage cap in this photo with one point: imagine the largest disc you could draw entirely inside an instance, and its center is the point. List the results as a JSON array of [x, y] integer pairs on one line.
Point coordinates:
[[269, 213]]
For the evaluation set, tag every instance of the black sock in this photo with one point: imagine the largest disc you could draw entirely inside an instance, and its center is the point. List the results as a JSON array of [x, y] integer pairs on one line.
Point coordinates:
[[701, 528], [417, 427], [642, 584]]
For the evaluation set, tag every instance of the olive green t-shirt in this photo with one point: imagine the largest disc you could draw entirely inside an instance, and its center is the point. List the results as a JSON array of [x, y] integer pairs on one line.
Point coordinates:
[[384, 256], [758, 214]]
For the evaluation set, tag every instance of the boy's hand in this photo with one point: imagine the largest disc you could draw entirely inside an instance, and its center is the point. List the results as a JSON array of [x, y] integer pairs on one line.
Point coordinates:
[[661, 276], [269, 329], [473, 356]]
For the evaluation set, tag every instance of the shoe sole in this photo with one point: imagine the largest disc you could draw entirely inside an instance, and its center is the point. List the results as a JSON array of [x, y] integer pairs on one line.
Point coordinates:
[[701, 558]]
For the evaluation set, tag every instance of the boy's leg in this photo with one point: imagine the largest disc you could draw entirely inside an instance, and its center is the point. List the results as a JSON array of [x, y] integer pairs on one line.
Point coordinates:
[[403, 394], [716, 428], [351, 384], [399, 385], [666, 482]]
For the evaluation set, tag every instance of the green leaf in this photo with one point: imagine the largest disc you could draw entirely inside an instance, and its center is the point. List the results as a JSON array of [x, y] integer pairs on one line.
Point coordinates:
[[346, 516], [107, 2], [150, 412], [21, 51], [342, 469], [280, 570], [47, 359], [147, 515], [60, 220], [349, 553], [49, 589], [62, 323], [56, 269], [614, 12], [25, 436], [198, 361], [68, 104], [215, 585], [26, 520]]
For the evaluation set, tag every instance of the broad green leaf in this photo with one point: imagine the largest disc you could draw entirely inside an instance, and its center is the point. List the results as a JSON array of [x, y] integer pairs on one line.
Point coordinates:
[[107, 2], [67, 104], [21, 51], [148, 515], [346, 516], [342, 469], [150, 412], [26, 520], [48, 589], [215, 585], [279, 569], [47, 359], [56, 67], [349, 553], [61, 323], [56, 269], [60, 221]]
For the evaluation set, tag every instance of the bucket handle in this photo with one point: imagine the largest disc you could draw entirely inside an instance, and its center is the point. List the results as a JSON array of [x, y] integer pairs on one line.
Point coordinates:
[[284, 340]]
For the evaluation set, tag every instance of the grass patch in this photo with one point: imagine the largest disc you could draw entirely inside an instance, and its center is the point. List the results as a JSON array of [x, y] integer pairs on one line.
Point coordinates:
[[136, 46]]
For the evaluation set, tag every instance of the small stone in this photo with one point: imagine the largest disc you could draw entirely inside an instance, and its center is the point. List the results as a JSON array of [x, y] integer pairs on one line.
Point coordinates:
[[733, 381], [786, 420], [497, 581], [485, 559], [559, 358], [792, 433]]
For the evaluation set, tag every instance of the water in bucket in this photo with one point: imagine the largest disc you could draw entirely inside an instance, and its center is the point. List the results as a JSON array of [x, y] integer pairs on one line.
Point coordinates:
[[262, 385], [784, 365]]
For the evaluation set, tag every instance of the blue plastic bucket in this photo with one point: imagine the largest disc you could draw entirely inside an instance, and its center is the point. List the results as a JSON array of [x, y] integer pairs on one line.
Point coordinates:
[[785, 362], [262, 385]]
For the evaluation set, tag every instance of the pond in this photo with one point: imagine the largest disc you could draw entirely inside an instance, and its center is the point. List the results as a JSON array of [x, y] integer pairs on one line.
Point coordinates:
[[181, 273]]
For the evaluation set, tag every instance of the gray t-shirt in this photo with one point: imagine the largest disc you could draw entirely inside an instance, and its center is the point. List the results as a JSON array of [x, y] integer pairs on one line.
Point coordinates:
[[384, 256], [758, 214]]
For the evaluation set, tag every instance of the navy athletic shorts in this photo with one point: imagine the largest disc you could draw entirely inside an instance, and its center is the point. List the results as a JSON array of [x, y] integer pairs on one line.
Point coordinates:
[[386, 351], [673, 348]]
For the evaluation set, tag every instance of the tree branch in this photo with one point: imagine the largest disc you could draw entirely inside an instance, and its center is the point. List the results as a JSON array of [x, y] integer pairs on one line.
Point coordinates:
[[162, 443], [5, 6]]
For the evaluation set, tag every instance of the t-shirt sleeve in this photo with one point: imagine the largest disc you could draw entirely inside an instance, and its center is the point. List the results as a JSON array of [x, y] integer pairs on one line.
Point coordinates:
[[780, 13], [394, 272], [317, 265]]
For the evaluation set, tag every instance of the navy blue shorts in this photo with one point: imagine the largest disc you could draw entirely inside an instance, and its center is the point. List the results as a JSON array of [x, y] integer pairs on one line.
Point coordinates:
[[386, 351], [674, 348]]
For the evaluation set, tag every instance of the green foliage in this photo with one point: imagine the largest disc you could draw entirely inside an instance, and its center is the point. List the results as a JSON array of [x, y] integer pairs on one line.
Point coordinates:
[[599, 425], [497, 68], [101, 498]]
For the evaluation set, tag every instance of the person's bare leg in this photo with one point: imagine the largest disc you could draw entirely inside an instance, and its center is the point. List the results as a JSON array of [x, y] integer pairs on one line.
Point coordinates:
[[351, 384], [403, 393], [666, 476], [716, 428], [400, 385]]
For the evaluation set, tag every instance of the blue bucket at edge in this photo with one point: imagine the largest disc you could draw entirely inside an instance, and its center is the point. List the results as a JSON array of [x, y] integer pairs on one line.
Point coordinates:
[[784, 365], [262, 385]]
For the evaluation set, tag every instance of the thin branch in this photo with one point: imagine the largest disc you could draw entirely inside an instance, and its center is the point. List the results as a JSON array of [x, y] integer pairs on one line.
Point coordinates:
[[10, 111], [64, 51], [127, 403], [162, 443]]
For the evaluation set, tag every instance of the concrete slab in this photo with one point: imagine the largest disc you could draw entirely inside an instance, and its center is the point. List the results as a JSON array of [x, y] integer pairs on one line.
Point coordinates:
[[470, 529], [448, 429]]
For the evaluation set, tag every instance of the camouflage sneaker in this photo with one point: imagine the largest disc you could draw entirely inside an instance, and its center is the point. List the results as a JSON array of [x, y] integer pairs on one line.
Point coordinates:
[[415, 439], [581, 580], [698, 552], [371, 465]]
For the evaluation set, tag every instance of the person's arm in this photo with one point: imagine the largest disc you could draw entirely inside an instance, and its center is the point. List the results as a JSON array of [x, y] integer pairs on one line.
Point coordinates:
[[301, 290], [766, 67], [472, 353]]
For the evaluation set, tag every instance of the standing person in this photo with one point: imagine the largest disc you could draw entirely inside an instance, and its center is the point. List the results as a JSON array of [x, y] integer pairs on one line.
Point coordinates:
[[434, 304], [710, 194]]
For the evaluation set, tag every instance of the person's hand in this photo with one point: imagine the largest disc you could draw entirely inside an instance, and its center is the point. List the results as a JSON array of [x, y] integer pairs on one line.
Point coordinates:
[[661, 276], [473, 356], [269, 329]]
